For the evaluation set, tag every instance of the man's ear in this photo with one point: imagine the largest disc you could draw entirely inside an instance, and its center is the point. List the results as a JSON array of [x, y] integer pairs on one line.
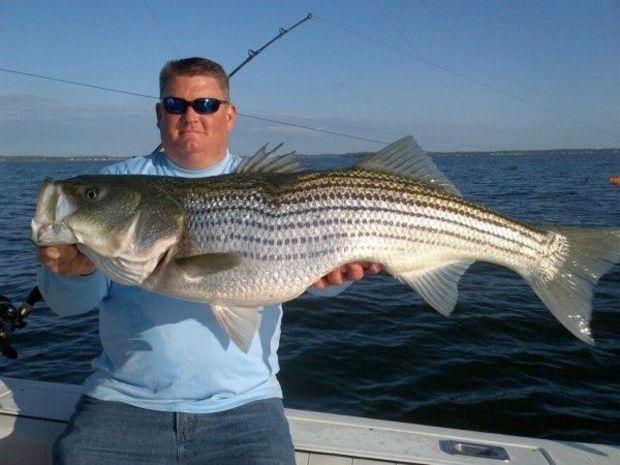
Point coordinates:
[[158, 112], [231, 116]]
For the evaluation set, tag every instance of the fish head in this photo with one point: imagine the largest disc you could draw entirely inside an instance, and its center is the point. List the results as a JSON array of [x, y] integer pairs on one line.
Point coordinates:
[[122, 223]]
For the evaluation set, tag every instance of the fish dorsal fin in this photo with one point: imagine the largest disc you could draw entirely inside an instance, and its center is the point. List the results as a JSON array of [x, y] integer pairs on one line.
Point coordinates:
[[240, 323], [405, 157], [267, 161], [438, 286]]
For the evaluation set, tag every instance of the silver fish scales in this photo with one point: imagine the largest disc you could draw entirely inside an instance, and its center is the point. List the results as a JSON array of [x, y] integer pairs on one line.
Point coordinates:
[[266, 233]]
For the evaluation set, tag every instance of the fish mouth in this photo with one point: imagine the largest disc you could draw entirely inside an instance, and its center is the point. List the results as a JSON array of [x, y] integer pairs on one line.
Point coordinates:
[[48, 225]]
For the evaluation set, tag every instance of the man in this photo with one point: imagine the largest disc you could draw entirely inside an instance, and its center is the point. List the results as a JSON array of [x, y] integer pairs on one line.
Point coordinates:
[[169, 387]]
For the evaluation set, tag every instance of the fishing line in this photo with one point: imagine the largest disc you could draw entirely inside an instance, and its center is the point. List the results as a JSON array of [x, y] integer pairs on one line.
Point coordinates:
[[136, 94], [251, 55], [404, 37], [161, 28], [75, 83], [325, 131], [245, 115], [471, 79]]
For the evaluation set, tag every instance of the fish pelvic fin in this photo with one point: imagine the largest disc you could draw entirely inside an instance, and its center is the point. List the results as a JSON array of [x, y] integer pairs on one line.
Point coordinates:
[[438, 286], [581, 256], [239, 323], [268, 161], [405, 158]]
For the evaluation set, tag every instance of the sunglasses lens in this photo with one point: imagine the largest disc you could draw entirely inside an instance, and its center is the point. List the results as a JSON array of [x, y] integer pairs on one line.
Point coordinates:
[[175, 105], [206, 106]]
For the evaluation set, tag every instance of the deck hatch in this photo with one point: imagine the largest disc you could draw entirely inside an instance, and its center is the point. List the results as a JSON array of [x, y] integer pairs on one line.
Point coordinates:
[[472, 449]]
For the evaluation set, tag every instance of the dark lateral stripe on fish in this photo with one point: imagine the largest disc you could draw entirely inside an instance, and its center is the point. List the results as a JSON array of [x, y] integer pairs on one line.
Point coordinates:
[[411, 214], [454, 208], [299, 195], [225, 239], [510, 226], [304, 227]]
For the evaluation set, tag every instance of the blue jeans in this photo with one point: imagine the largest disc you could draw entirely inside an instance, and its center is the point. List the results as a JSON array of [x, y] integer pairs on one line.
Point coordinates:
[[106, 433]]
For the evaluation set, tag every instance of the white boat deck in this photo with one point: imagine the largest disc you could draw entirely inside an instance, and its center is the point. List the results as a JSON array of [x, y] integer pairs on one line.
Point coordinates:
[[33, 413]]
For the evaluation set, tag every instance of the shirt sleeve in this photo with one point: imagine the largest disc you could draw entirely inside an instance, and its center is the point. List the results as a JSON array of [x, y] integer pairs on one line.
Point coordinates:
[[72, 295]]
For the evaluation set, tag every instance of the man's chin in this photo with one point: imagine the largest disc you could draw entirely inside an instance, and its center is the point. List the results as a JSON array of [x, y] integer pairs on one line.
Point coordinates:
[[190, 144], [191, 155]]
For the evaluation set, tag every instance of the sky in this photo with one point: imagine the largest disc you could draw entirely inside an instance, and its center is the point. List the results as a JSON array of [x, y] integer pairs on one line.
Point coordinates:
[[456, 75]]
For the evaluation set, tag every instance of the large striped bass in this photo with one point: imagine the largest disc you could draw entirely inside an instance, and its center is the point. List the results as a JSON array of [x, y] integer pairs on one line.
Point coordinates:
[[264, 234]]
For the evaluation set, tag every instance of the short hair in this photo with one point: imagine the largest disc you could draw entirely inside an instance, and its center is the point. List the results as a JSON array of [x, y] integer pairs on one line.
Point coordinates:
[[194, 66]]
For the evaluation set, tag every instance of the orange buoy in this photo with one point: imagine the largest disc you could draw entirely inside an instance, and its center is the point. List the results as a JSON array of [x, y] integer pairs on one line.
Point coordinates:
[[614, 181]]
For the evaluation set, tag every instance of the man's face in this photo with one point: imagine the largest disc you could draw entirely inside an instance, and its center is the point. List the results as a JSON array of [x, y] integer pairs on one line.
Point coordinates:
[[193, 140]]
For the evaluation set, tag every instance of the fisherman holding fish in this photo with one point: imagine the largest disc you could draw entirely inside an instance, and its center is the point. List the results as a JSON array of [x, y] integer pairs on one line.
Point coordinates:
[[170, 385], [168, 248]]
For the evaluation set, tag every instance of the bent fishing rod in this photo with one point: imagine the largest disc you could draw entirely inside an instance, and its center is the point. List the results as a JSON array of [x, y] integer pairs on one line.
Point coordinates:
[[12, 317]]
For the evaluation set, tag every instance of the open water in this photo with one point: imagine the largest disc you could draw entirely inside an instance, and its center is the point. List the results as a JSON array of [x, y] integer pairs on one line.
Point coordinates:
[[501, 363]]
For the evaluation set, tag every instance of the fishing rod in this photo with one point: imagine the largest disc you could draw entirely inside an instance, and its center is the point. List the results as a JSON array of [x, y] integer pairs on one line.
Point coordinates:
[[12, 317], [253, 53]]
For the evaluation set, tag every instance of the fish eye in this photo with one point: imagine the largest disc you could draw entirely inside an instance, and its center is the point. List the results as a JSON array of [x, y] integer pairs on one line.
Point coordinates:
[[91, 193]]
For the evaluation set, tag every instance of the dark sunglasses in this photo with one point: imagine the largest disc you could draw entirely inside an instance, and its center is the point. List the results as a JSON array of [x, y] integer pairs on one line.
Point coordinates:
[[203, 106]]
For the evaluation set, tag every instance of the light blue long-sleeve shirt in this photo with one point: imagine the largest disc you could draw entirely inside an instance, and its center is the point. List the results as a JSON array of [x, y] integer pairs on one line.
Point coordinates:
[[162, 353]]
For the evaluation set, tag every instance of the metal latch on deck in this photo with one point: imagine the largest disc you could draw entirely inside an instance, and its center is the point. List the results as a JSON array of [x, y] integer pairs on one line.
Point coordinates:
[[472, 449]]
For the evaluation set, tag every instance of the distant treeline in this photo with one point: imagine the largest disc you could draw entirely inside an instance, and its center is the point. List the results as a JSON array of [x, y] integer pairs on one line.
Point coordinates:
[[587, 152], [536, 152]]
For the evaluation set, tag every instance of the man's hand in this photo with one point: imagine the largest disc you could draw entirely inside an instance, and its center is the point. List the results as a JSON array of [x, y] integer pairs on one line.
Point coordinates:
[[66, 260], [350, 272]]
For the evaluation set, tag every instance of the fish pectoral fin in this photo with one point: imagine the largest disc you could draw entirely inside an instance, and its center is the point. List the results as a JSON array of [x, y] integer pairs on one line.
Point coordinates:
[[199, 265], [438, 286], [240, 323], [405, 158]]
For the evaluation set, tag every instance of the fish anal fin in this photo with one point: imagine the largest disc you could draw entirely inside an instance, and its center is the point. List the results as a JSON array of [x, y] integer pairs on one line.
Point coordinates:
[[405, 158], [438, 285], [200, 265], [239, 323]]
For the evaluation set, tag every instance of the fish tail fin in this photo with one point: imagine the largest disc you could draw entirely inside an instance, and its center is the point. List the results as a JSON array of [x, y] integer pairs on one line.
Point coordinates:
[[575, 260]]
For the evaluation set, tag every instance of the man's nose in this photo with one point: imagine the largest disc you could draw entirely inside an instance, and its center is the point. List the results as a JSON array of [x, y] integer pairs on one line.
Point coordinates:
[[190, 114]]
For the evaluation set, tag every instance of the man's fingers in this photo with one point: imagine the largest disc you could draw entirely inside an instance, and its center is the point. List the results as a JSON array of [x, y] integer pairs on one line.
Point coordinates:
[[351, 271], [82, 265], [374, 268], [58, 252], [355, 271], [65, 259], [335, 278]]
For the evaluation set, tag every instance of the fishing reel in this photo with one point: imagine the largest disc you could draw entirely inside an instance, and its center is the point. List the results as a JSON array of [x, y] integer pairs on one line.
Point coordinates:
[[12, 318]]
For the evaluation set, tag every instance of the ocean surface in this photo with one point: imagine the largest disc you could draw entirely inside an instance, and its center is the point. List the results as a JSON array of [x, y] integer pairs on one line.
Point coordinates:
[[501, 363]]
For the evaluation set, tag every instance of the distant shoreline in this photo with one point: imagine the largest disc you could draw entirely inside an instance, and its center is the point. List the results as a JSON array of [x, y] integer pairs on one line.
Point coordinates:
[[583, 152]]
